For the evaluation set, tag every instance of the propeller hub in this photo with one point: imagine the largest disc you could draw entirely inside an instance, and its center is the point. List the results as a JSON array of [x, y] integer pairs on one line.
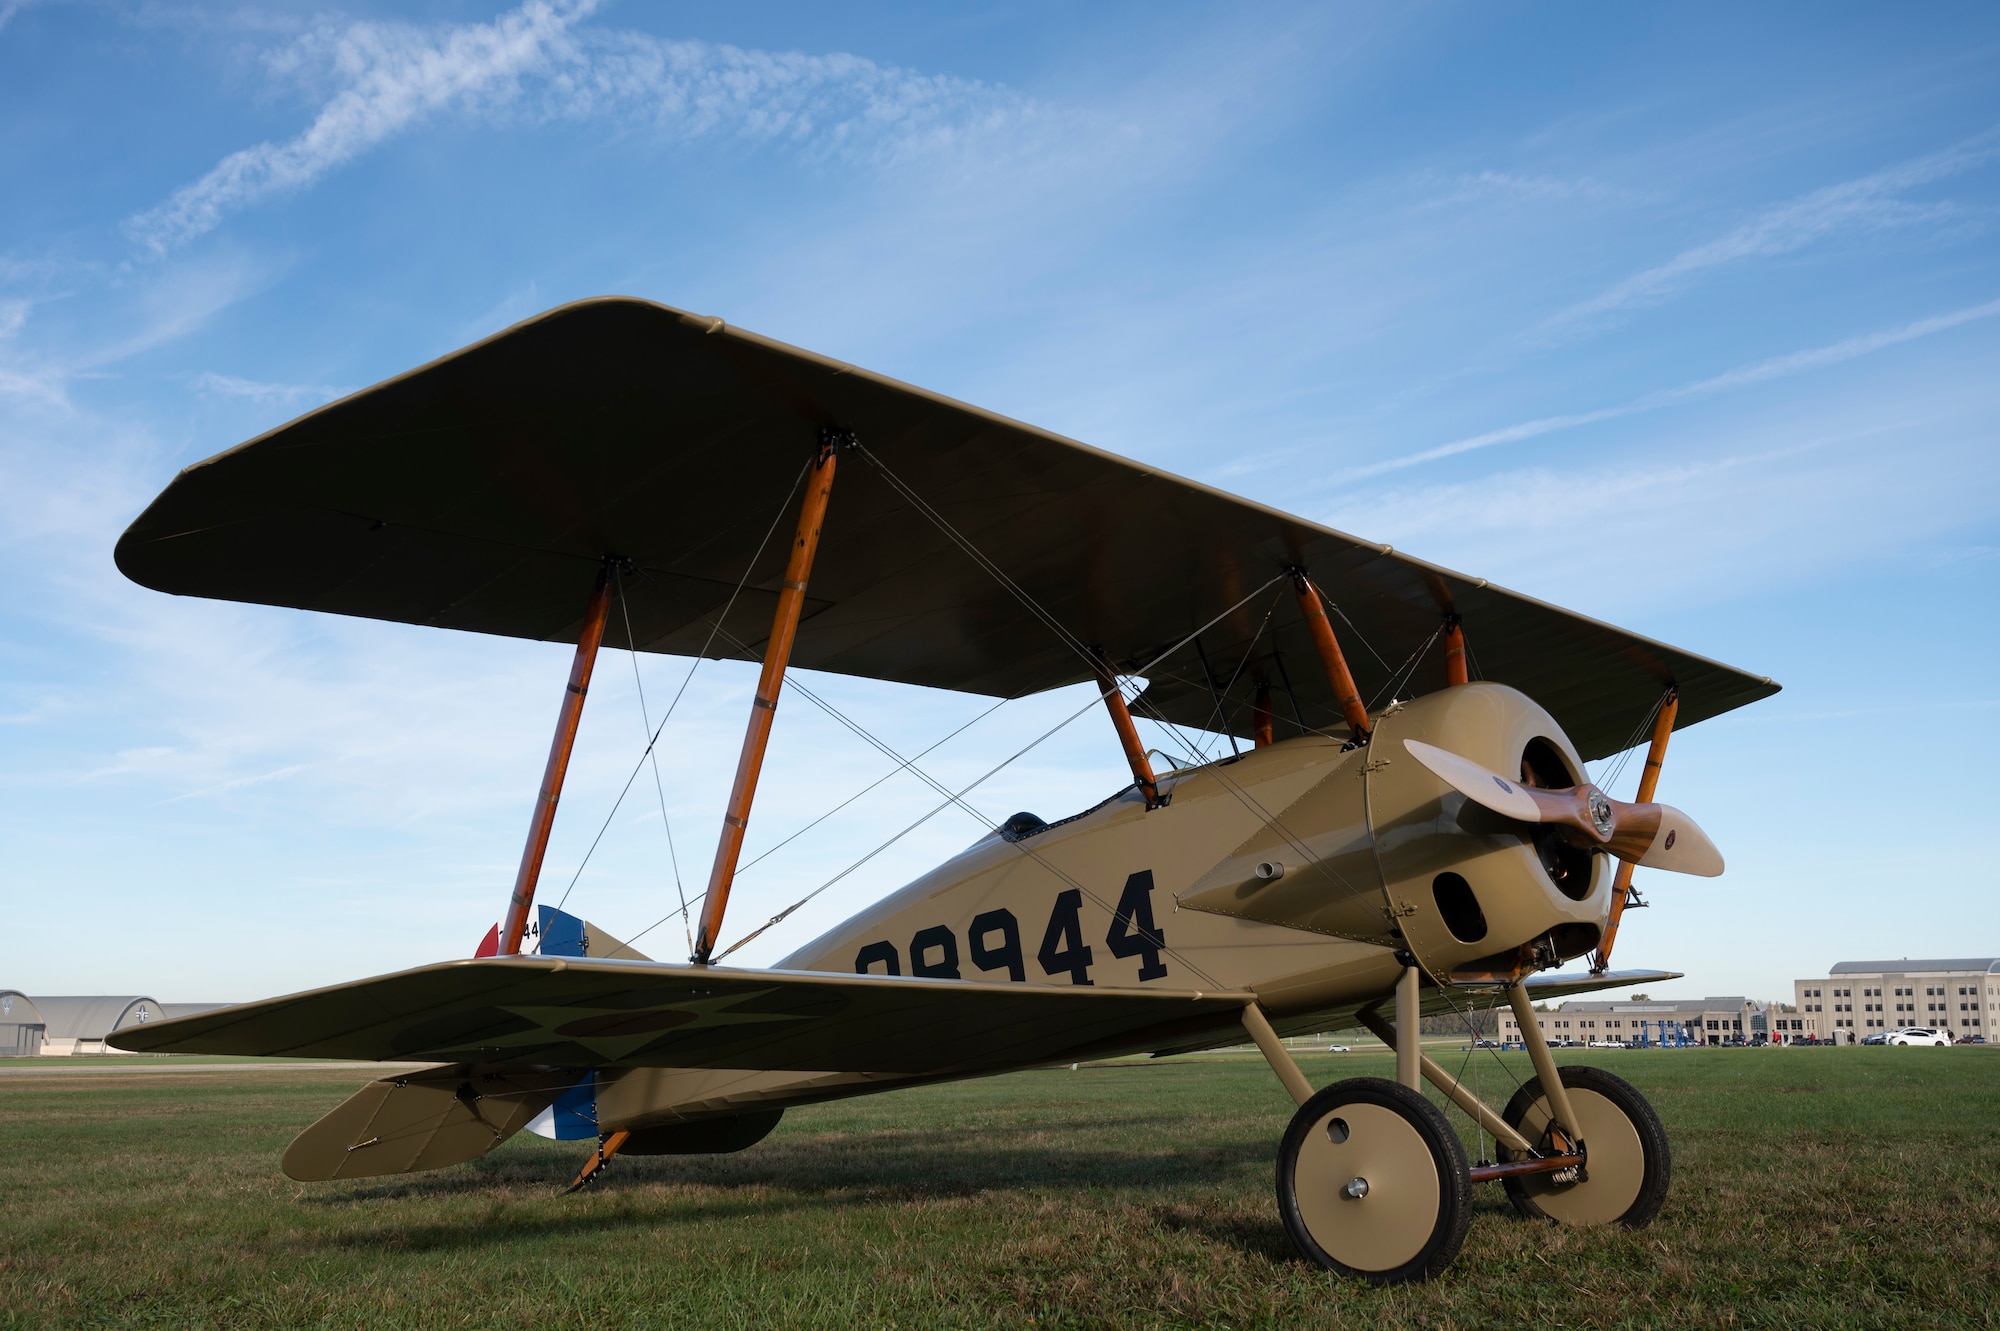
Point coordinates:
[[1601, 816]]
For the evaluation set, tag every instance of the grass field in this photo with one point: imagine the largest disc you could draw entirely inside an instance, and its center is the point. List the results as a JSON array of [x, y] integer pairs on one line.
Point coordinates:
[[1812, 1188]]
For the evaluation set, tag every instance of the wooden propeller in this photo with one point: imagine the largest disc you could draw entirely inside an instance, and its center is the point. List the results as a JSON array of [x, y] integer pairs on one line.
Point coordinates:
[[1657, 836]]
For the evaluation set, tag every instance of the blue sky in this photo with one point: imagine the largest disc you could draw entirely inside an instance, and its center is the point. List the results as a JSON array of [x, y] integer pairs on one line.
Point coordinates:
[[1686, 317]]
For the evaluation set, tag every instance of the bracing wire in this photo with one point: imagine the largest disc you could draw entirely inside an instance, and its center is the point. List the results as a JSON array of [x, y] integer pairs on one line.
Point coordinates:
[[1623, 758], [1076, 644], [686, 679], [978, 556], [1335, 606], [646, 724], [870, 738], [1404, 673], [958, 796], [1471, 1060], [891, 773], [902, 766]]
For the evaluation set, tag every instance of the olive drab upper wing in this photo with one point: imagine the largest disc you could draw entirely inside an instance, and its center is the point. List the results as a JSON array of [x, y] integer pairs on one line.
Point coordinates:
[[482, 492]]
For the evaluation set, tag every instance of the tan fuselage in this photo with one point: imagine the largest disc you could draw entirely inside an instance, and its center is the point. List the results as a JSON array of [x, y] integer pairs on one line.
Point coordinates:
[[1363, 854]]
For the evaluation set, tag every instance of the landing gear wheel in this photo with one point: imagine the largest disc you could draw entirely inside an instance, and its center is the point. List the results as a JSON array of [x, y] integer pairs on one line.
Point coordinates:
[[1372, 1182], [1626, 1162]]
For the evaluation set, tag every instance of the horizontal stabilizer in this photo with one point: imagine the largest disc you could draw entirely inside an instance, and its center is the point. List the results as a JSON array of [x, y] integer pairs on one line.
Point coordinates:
[[422, 1120]]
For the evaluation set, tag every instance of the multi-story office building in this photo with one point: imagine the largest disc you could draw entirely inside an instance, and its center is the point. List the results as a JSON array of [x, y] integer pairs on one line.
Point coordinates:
[[1653, 1021], [1858, 998]]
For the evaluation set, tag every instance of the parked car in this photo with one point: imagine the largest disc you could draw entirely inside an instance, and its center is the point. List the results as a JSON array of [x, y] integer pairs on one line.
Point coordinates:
[[1338, 1049], [1879, 1037], [1918, 1035], [1485, 1044]]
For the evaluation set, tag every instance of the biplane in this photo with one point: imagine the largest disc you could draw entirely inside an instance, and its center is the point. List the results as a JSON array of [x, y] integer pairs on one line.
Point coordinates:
[[1379, 843]]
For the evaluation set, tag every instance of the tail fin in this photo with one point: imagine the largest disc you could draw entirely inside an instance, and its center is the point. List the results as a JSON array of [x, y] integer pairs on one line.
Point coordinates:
[[568, 936], [573, 1116], [489, 946]]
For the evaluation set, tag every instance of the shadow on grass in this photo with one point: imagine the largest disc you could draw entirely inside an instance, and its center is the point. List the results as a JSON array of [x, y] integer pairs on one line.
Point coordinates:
[[1260, 1236], [802, 1173]]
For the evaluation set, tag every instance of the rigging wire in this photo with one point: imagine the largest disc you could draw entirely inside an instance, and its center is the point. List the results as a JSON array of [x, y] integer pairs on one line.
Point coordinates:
[[1402, 674], [868, 737], [1623, 757], [646, 724], [958, 798], [979, 557], [1255, 638], [1221, 711], [1335, 607], [686, 679], [893, 772]]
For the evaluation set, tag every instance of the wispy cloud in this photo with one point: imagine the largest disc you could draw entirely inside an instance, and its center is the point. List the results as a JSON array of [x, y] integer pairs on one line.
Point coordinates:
[[23, 375], [166, 303], [1776, 367], [10, 8], [1867, 203], [397, 74], [210, 384], [1537, 188], [536, 61]]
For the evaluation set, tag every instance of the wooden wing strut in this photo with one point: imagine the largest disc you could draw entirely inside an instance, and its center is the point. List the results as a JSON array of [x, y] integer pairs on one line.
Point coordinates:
[[1649, 781], [1128, 734], [777, 652], [544, 817], [1454, 653], [1337, 673]]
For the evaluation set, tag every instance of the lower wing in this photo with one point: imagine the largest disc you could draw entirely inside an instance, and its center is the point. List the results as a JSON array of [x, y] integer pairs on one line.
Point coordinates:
[[566, 1012]]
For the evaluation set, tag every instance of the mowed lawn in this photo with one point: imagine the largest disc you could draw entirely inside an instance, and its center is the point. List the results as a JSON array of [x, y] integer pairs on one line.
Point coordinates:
[[1812, 1188]]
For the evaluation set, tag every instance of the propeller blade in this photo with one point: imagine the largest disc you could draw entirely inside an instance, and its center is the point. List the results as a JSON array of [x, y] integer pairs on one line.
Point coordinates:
[[1657, 836], [1479, 784], [1680, 846]]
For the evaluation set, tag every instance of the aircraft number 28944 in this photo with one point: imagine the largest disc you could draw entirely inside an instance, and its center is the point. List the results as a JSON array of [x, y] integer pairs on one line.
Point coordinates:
[[994, 939]]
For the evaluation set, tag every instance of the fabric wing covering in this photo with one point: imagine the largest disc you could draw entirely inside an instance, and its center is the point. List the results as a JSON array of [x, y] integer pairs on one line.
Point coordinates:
[[481, 491], [553, 1012], [560, 1012]]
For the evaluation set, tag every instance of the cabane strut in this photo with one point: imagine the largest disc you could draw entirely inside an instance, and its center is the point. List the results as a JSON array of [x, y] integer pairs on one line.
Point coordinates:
[[1337, 673]]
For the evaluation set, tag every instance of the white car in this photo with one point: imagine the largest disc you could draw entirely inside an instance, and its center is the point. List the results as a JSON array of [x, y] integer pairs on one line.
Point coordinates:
[[1918, 1035], [1338, 1049]]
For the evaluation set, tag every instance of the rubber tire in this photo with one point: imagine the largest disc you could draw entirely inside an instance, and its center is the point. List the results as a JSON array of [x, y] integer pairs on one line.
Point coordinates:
[[1447, 1155], [1656, 1168]]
